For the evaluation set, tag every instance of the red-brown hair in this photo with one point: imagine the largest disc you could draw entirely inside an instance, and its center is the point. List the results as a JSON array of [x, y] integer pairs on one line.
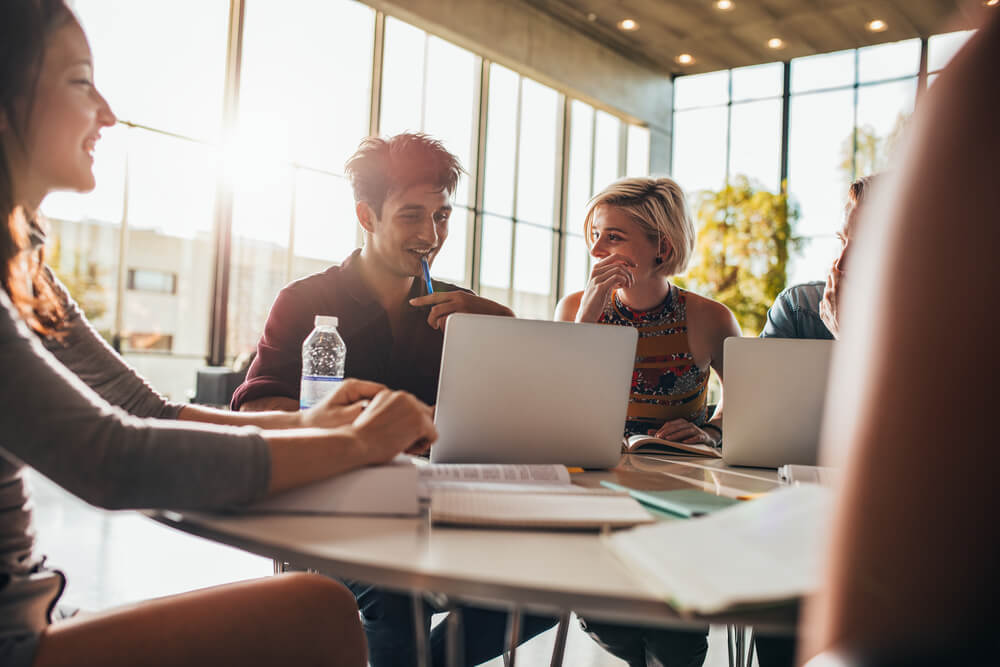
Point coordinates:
[[381, 167], [25, 26]]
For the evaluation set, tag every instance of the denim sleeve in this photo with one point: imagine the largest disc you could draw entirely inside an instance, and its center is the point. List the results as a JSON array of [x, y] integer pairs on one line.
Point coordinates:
[[781, 320]]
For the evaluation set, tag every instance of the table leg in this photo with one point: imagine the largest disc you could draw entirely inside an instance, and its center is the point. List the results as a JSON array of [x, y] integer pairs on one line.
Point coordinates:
[[731, 644], [513, 635], [420, 631], [560, 647], [750, 647], [455, 650]]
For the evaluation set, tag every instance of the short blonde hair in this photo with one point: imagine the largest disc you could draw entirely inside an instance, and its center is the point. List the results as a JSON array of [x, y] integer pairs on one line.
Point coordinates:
[[658, 206]]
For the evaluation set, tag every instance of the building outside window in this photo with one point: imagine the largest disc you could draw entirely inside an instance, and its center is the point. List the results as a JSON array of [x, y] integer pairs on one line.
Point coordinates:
[[150, 280]]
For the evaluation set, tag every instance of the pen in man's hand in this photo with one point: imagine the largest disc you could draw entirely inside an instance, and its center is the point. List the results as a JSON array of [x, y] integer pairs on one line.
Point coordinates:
[[427, 275]]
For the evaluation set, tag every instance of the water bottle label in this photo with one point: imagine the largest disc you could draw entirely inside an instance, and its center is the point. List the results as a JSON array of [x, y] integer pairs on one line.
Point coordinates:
[[315, 387]]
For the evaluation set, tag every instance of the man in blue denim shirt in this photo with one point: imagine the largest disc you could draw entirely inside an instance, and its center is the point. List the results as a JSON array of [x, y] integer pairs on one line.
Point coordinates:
[[810, 310], [796, 314]]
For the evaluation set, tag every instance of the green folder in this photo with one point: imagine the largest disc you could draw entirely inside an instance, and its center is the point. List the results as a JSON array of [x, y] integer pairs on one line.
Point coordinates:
[[686, 503]]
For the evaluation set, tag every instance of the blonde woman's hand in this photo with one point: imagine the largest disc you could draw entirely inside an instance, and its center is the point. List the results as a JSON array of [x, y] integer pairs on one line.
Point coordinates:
[[608, 274], [681, 430], [394, 422]]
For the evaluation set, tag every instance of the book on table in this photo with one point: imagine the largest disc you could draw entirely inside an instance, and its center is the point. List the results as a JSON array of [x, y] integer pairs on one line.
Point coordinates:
[[648, 444], [523, 496], [471, 494], [756, 553], [389, 489]]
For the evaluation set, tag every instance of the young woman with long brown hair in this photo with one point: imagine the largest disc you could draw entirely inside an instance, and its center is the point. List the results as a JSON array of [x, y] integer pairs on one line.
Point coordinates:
[[73, 410]]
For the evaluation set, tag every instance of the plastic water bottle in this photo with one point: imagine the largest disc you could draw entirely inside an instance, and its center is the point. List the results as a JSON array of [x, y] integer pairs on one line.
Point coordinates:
[[323, 354]]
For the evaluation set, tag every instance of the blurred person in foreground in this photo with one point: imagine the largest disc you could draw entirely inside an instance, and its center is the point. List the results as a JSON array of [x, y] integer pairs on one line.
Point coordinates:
[[912, 574]]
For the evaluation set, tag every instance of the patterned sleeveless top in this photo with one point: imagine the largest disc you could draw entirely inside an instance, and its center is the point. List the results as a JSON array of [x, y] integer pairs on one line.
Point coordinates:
[[666, 383]]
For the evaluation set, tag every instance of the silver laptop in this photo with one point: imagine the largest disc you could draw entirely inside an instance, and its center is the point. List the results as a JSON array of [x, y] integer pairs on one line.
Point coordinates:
[[531, 391], [774, 393]]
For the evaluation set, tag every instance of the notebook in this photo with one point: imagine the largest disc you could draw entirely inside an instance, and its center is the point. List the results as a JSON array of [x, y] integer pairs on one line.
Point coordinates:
[[775, 389], [758, 552], [647, 444], [532, 391], [685, 503]]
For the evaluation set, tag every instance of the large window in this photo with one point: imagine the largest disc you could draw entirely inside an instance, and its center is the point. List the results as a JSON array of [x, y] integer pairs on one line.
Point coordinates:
[[177, 182], [520, 196], [942, 48], [432, 86], [293, 212], [846, 111]]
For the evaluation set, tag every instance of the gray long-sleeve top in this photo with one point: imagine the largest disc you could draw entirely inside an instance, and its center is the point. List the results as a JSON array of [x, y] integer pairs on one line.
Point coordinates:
[[79, 415]]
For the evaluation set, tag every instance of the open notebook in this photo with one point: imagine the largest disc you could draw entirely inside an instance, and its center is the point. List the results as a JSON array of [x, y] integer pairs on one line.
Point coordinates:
[[758, 552], [647, 444]]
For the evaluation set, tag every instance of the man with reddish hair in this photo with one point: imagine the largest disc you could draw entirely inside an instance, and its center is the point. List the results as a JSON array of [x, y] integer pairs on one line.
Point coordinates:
[[394, 332], [392, 328]]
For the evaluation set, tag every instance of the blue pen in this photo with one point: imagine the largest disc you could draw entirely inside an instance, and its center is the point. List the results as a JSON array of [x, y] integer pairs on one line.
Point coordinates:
[[427, 275]]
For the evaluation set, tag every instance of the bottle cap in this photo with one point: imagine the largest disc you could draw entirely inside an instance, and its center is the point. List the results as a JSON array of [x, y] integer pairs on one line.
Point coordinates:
[[325, 321]]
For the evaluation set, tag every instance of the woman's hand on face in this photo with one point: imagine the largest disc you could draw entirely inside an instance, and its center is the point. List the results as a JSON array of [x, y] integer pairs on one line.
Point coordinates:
[[610, 273], [394, 422], [681, 430], [342, 406]]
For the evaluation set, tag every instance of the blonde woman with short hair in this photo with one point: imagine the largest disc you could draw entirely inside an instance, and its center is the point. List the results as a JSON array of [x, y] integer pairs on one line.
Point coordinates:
[[640, 233]]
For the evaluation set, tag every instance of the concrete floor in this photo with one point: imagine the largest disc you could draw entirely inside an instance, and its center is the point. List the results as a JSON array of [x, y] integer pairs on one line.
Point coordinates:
[[112, 558]]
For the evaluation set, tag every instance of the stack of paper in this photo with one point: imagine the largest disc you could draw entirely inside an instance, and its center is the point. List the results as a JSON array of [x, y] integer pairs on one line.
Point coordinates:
[[762, 551]]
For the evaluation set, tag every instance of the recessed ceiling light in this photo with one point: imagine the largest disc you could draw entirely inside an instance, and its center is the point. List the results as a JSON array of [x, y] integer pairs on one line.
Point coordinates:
[[591, 17], [628, 24], [991, 3], [684, 59], [776, 43], [877, 25], [724, 5]]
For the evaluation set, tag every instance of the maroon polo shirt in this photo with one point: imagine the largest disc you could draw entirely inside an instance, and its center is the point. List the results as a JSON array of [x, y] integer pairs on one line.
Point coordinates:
[[409, 361]]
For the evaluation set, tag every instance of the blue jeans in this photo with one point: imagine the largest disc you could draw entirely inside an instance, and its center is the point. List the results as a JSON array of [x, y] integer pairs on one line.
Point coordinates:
[[646, 647], [388, 621]]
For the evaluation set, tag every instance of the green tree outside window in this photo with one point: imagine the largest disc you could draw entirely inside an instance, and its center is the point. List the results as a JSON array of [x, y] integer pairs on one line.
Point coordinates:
[[741, 257]]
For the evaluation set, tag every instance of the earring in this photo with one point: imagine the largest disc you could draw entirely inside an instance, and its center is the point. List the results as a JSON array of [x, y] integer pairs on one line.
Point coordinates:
[[659, 260]]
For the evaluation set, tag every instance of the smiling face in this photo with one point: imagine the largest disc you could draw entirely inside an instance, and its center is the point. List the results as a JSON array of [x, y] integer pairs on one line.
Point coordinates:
[[613, 231], [413, 225], [64, 122]]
